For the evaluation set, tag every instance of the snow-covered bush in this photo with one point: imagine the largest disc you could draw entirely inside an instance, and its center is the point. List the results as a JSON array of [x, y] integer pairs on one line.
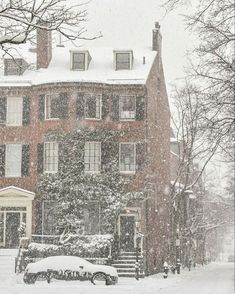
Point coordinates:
[[83, 246]]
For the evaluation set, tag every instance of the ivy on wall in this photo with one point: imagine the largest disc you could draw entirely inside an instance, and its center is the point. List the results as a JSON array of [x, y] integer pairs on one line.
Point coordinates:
[[75, 191]]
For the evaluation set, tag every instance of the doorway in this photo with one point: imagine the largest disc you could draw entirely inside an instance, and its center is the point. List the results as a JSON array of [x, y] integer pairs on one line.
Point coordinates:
[[127, 232], [12, 229]]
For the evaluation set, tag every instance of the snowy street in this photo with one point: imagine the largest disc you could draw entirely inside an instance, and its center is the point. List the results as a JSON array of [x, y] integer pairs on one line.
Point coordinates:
[[215, 278]]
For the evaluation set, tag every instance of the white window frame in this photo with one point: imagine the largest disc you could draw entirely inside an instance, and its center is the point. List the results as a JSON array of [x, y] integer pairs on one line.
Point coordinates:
[[18, 114], [100, 106], [127, 171], [45, 165], [120, 117], [7, 168], [87, 59], [99, 159], [130, 52], [46, 115]]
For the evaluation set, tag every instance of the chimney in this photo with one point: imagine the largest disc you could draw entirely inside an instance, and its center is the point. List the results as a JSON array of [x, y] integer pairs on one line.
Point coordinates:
[[44, 47], [157, 39]]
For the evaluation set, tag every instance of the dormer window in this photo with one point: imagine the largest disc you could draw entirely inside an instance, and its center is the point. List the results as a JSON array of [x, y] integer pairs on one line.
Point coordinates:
[[123, 59], [80, 60], [15, 66]]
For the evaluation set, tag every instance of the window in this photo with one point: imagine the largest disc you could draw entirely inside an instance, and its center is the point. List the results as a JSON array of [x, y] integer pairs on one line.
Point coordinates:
[[15, 66], [92, 106], [50, 157], [127, 157], [92, 156], [14, 111], [78, 62], [52, 107], [13, 160], [127, 107], [123, 59]]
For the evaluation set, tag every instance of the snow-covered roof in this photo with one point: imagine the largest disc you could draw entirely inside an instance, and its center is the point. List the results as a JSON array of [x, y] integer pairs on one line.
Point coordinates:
[[101, 68]]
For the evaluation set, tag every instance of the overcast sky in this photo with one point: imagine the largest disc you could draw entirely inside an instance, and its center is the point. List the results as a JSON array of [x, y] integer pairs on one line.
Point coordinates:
[[129, 24]]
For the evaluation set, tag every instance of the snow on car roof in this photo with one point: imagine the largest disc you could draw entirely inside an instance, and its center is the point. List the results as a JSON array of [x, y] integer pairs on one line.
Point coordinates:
[[72, 263]]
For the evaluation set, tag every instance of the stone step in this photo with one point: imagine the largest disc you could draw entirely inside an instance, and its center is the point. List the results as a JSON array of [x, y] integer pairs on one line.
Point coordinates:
[[129, 275], [128, 253], [120, 265], [129, 257], [128, 270], [124, 261]]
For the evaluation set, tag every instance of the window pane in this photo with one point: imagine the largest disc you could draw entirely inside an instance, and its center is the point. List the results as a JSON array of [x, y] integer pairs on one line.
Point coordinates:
[[127, 107], [50, 157], [92, 106], [14, 111], [122, 61], [52, 106], [127, 157], [79, 61], [92, 156], [13, 160]]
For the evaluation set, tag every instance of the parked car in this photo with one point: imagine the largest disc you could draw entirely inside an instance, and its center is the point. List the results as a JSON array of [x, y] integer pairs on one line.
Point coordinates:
[[69, 268]]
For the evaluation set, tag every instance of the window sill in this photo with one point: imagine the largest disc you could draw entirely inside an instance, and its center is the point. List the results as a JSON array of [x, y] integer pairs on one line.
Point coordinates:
[[127, 119], [97, 119], [92, 172], [8, 125], [50, 172], [127, 172], [48, 119]]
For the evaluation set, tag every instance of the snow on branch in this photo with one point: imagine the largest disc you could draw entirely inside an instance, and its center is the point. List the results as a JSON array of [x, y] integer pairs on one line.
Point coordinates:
[[20, 18]]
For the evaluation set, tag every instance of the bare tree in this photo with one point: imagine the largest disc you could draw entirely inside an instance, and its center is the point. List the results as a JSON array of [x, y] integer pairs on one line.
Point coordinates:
[[213, 66], [20, 18], [196, 148]]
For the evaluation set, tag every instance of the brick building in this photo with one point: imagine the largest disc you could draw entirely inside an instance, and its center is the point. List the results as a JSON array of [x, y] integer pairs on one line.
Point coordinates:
[[59, 88]]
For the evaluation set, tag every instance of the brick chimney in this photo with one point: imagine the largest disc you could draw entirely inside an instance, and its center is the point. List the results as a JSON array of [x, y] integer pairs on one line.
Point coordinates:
[[157, 38], [44, 47]]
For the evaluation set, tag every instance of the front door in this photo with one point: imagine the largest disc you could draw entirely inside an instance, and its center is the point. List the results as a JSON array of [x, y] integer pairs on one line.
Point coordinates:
[[12, 227], [127, 232]]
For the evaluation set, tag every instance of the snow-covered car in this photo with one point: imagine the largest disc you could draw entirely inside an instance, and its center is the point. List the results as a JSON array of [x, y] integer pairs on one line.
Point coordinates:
[[69, 268]]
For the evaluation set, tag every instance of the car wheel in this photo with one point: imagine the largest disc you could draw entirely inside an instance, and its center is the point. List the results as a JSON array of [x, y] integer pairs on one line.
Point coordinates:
[[29, 279], [99, 279]]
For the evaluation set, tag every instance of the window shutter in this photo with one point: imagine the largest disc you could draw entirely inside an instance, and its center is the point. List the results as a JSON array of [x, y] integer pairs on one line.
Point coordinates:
[[105, 106], [140, 108], [115, 107], [140, 156], [2, 160], [40, 150], [26, 111], [25, 161], [3, 111], [63, 105], [109, 155], [80, 106], [41, 107]]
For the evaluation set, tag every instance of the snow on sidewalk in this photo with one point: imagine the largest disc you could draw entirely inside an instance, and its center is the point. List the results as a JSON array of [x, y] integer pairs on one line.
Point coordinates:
[[216, 278]]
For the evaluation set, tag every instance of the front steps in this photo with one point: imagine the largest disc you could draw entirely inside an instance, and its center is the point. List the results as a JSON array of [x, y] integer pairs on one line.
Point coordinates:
[[7, 262], [125, 265]]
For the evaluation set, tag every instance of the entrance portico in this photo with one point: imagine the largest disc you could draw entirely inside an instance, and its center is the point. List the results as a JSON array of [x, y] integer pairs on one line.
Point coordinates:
[[15, 209]]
